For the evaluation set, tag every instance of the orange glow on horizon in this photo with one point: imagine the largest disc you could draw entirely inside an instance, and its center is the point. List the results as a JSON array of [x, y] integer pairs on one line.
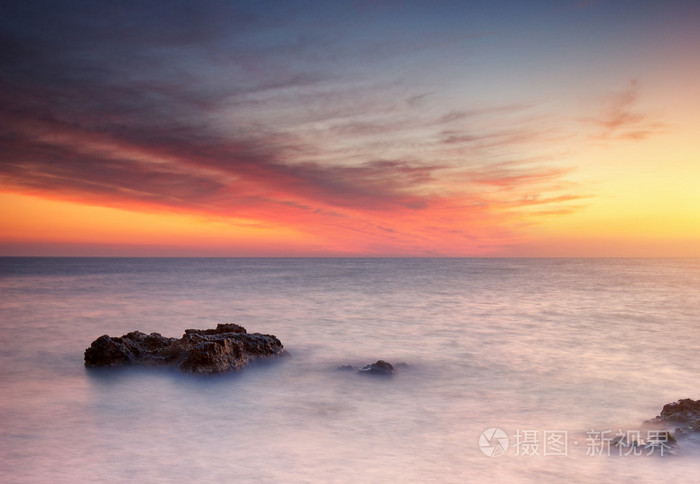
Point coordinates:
[[31, 220]]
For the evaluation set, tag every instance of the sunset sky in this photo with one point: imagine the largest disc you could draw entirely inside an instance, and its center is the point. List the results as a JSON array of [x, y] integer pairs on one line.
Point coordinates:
[[350, 128]]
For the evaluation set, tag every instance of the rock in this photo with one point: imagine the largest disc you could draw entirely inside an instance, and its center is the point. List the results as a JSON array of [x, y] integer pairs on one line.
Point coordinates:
[[228, 347], [345, 368], [132, 347], [381, 367], [666, 437], [685, 413], [220, 329]]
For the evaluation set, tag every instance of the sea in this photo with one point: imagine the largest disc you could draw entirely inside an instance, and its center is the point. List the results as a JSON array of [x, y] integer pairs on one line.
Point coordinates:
[[508, 370]]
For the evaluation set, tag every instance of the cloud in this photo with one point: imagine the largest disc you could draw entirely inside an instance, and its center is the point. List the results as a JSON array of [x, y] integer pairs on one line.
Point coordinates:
[[194, 169], [622, 118], [517, 174], [229, 110]]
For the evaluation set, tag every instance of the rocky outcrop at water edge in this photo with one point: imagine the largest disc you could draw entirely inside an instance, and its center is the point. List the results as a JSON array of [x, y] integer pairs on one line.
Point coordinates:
[[228, 347]]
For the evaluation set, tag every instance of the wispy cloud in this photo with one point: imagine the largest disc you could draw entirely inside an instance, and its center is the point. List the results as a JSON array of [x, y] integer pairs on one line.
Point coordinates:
[[621, 117], [227, 111]]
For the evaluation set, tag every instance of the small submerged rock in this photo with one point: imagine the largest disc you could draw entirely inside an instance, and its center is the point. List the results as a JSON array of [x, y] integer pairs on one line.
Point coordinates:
[[227, 347], [381, 367]]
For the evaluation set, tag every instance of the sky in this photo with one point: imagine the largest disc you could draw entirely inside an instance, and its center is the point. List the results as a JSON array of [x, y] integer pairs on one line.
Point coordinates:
[[562, 128]]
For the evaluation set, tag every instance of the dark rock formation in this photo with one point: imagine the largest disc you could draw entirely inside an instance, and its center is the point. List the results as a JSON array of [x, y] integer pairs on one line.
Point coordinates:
[[684, 415], [685, 412], [228, 347], [380, 368], [345, 368], [682, 411]]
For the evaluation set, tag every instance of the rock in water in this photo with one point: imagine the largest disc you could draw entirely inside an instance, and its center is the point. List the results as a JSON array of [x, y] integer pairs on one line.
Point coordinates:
[[683, 414], [381, 367], [228, 347], [684, 411]]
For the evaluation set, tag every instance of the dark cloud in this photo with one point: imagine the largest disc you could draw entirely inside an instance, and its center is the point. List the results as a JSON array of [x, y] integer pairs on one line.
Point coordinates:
[[186, 166], [44, 167], [218, 106]]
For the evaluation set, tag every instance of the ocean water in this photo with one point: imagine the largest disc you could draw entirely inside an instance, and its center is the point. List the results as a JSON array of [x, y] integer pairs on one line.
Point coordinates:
[[541, 349]]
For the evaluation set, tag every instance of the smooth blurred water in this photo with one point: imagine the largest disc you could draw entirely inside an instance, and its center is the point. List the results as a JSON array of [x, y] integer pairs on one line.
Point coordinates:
[[521, 345]]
